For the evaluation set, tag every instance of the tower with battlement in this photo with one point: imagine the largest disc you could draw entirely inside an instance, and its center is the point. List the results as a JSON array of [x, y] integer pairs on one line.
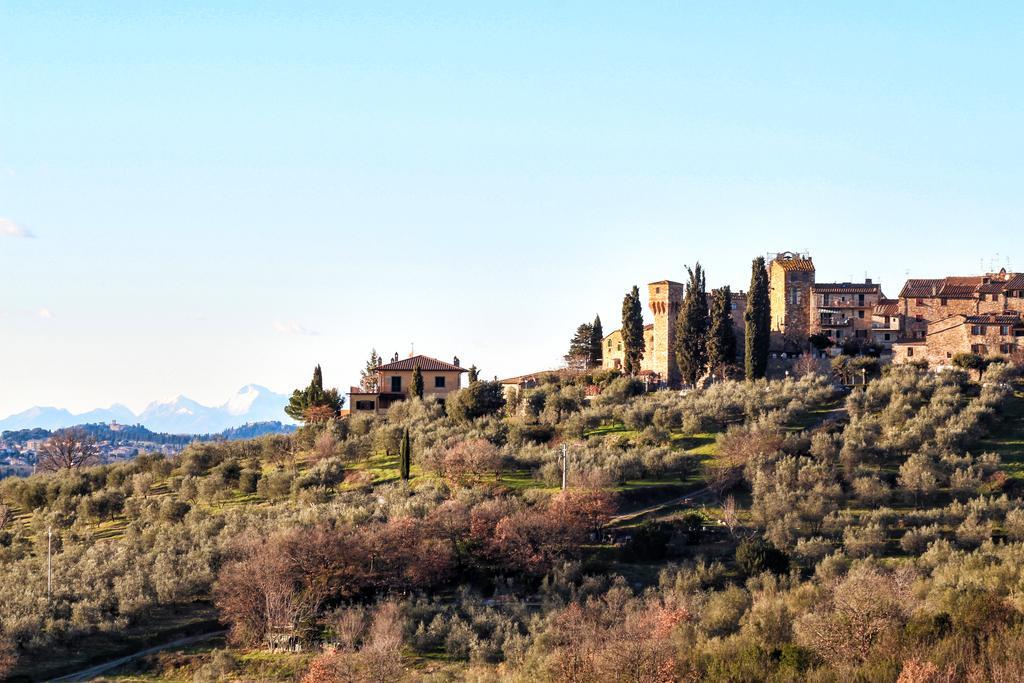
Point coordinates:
[[790, 279]]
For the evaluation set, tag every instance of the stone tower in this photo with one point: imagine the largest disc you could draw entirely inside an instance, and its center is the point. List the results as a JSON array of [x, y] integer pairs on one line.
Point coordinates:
[[666, 298], [790, 278]]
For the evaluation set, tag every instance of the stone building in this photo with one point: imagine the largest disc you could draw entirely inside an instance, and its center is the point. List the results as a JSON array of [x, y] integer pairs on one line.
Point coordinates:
[[885, 323], [844, 310], [395, 379], [923, 301], [790, 278], [981, 333], [658, 365]]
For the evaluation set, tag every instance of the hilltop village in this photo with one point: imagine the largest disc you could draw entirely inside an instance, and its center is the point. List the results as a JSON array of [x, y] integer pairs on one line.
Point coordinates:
[[812, 325], [931, 320]]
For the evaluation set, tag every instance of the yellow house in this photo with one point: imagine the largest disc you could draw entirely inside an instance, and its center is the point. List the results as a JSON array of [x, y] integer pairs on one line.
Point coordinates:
[[395, 379]]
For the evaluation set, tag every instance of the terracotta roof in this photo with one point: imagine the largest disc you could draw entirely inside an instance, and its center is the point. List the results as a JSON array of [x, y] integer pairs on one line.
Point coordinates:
[[794, 263], [1015, 283], [887, 307], [919, 289], [425, 363], [1006, 318], [845, 288], [960, 287], [666, 282], [522, 378]]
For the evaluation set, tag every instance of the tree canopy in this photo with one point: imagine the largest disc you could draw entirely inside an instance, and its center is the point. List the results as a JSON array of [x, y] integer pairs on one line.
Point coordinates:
[[314, 403]]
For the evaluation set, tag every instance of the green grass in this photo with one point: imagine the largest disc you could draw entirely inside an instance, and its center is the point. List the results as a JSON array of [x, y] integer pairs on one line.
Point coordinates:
[[1008, 438]]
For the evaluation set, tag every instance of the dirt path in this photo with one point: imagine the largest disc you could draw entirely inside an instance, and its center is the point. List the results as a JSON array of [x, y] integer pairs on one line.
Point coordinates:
[[94, 671], [693, 496]]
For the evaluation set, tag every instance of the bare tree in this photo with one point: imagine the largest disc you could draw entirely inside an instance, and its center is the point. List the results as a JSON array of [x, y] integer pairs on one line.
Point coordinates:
[[69, 449], [6, 516]]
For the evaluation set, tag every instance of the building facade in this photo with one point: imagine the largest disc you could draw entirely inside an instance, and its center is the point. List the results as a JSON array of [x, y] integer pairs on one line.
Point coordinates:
[[985, 334], [790, 279], [844, 310], [394, 381]]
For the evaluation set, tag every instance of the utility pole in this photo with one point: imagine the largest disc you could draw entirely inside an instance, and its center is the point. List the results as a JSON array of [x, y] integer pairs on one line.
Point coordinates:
[[565, 465], [49, 561]]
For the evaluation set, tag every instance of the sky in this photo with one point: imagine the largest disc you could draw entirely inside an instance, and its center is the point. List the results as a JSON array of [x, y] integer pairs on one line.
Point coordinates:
[[194, 198]]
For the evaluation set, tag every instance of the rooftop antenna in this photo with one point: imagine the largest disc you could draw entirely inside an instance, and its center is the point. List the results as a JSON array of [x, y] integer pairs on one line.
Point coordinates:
[[412, 349]]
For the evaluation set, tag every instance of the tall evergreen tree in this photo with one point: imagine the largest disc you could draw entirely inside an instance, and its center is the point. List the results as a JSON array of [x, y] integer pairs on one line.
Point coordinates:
[[757, 322], [416, 386], [596, 337], [314, 403], [405, 455], [692, 328], [721, 335], [632, 332], [474, 374], [580, 350], [369, 381]]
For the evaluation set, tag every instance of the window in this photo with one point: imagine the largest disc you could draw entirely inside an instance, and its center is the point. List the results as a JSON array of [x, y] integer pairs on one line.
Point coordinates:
[[860, 334], [860, 300], [887, 337], [949, 354], [943, 302], [910, 352], [919, 302], [980, 349], [364, 405], [839, 334], [1006, 348], [826, 299], [860, 313], [620, 346], [439, 382], [396, 385], [977, 330], [1004, 330]]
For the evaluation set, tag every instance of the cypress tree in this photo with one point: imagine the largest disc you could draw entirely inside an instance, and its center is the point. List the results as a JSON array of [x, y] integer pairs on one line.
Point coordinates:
[[474, 374], [632, 332], [721, 335], [416, 387], [318, 377], [596, 337], [692, 329], [405, 455], [757, 322]]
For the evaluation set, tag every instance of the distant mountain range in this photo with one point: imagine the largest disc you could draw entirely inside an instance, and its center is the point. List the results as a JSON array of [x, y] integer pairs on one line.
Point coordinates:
[[252, 403]]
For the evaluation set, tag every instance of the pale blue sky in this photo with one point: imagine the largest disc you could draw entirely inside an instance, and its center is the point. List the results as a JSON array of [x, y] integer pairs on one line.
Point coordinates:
[[206, 188]]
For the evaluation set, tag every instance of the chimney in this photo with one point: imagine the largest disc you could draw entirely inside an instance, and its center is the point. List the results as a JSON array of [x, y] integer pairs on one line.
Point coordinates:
[[456, 362], [867, 281]]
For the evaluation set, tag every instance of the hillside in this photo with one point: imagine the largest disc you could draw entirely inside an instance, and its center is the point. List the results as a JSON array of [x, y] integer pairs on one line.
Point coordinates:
[[750, 531]]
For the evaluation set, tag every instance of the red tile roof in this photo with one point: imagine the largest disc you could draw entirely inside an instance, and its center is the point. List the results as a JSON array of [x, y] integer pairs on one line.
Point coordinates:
[[425, 363], [919, 289], [887, 307], [794, 263], [845, 288], [1006, 318]]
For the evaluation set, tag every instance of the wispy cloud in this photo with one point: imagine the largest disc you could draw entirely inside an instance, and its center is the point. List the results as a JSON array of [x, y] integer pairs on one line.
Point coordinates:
[[292, 327], [9, 228], [45, 314]]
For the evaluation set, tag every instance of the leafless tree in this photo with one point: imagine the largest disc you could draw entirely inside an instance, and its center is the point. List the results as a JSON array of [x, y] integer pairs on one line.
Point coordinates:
[[68, 449], [6, 516]]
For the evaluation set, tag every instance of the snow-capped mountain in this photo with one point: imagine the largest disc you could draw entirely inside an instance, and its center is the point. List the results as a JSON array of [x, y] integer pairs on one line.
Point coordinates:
[[180, 415]]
